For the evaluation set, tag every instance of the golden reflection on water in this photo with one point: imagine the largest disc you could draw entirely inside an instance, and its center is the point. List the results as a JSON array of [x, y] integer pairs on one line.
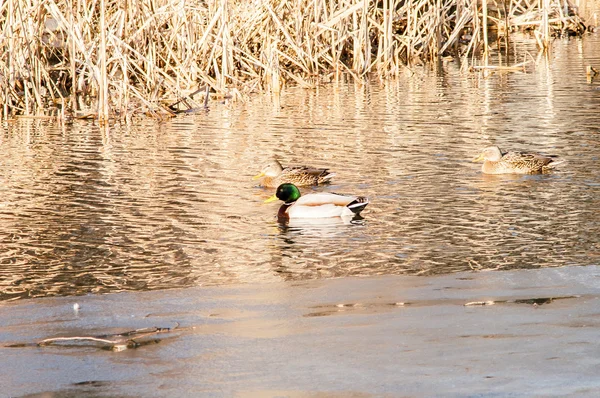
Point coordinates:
[[172, 204]]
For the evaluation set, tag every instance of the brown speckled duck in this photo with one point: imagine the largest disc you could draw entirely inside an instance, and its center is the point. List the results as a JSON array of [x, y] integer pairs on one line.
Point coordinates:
[[274, 175], [496, 162]]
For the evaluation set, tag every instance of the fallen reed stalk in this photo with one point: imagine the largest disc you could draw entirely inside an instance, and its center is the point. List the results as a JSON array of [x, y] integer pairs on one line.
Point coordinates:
[[117, 58], [114, 342]]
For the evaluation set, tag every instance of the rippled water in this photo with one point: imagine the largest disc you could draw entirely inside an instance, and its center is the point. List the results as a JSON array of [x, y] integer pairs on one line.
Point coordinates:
[[172, 204]]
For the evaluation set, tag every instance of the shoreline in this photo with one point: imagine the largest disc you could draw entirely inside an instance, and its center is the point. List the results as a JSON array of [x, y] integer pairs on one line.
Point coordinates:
[[373, 336]]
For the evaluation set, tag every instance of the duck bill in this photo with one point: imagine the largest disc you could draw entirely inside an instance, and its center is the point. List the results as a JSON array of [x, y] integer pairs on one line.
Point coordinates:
[[478, 158], [256, 177], [271, 199]]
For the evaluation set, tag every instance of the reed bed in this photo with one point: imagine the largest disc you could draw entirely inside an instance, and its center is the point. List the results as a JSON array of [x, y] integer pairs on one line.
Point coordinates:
[[109, 59]]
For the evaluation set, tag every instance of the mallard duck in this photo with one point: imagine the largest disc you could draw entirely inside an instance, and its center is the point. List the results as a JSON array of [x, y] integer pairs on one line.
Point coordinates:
[[274, 175], [496, 162], [316, 205]]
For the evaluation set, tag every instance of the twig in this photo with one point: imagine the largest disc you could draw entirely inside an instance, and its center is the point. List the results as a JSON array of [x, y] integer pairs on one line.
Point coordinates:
[[131, 337]]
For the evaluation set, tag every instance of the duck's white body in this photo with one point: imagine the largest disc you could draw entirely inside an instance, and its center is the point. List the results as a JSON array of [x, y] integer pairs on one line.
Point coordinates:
[[321, 205]]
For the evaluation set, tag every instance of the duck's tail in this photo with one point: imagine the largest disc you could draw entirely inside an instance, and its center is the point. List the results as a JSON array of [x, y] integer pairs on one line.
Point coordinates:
[[358, 204], [553, 163], [325, 177]]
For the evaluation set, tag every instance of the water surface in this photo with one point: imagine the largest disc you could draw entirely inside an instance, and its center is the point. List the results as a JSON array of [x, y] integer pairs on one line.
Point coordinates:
[[156, 205]]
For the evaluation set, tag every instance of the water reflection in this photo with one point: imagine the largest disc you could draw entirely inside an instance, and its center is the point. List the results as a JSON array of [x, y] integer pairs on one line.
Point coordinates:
[[293, 231], [172, 204]]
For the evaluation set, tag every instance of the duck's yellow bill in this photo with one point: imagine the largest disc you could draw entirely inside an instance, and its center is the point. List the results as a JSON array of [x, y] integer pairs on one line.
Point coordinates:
[[256, 177], [478, 158], [271, 199]]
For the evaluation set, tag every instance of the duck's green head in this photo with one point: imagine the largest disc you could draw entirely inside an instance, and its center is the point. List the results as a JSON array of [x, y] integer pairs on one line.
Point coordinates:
[[287, 192]]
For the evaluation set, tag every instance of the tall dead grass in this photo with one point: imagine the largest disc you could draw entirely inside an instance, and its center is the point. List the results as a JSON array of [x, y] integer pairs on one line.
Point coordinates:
[[110, 59]]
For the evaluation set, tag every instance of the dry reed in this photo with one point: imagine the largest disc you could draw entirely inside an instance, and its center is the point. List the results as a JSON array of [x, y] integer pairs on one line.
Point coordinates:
[[113, 59]]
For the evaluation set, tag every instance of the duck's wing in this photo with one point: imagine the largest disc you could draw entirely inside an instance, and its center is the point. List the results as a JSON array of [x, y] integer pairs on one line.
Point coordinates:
[[305, 170], [323, 198], [529, 161], [315, 211]]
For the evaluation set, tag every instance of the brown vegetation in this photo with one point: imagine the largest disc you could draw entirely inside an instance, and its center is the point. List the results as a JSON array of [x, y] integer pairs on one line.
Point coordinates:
[[111, 59]]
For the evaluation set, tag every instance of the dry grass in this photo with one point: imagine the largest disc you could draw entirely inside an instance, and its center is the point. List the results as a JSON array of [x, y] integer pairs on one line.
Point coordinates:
[[111, 59]]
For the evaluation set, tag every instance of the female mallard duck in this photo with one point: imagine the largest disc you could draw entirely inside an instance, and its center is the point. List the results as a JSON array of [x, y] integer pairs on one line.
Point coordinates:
[[496, 162], [274, 175], [316, 205]]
